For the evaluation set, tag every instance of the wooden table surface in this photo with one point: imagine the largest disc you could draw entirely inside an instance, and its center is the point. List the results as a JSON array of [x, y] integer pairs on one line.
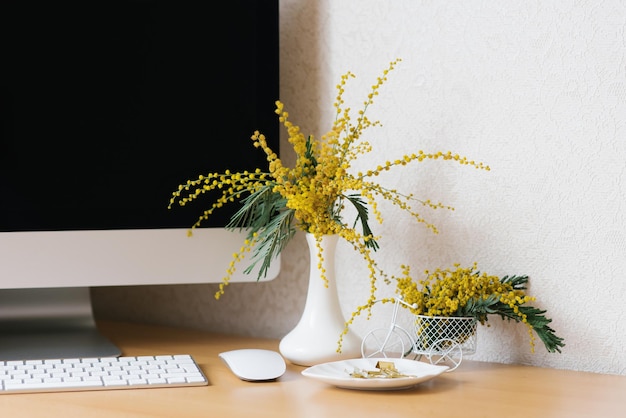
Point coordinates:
[[475, 389]]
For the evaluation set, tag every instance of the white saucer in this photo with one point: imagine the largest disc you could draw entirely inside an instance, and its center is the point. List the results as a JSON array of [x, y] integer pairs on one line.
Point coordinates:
[[337, 373]]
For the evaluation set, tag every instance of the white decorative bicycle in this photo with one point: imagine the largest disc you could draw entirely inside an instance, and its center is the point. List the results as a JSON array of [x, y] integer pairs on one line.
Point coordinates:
[[443, 340]]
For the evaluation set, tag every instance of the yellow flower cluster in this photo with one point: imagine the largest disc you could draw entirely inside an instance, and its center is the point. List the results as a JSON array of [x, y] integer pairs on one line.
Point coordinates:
[[233, 185], [463, 292], [318, 188], [446, 292]]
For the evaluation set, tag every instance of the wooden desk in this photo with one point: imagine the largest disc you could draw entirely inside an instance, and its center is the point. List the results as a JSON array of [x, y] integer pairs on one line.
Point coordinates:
[[473, 390]]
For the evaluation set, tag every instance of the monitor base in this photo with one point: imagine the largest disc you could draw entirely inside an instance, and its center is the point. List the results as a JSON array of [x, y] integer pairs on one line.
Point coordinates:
[[50, 324]]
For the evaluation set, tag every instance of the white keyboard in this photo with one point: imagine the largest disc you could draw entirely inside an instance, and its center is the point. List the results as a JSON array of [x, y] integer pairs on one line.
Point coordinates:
[[105, 373]]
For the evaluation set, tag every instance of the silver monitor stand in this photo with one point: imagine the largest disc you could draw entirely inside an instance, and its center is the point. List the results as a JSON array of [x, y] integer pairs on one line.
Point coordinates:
[[49, 324]]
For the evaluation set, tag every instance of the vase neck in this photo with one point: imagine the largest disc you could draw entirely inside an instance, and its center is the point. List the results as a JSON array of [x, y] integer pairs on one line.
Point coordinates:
[[322, 259]]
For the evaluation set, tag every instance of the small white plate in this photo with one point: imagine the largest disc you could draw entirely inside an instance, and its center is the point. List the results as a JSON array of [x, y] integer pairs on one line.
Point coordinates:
[[337, 373]]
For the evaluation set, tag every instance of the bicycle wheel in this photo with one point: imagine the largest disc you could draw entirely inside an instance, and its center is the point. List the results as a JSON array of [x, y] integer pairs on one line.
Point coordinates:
[[446, 352], [385, 342]]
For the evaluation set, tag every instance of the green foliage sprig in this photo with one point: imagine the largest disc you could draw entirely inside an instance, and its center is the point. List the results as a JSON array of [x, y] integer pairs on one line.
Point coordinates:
[[481, 308]]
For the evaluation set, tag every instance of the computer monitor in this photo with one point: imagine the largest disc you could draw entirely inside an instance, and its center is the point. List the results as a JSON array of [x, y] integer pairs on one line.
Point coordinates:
[[106, 108]]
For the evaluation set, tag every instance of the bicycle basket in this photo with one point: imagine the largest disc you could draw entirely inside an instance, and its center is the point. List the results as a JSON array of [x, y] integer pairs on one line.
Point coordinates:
[[437, 333]]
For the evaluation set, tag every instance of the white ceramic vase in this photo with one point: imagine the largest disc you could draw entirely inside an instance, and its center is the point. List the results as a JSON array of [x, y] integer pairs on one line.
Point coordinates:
[[314, 339]]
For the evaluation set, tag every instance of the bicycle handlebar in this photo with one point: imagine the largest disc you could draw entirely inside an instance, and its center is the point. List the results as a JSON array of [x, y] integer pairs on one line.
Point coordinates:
[[399, 301]]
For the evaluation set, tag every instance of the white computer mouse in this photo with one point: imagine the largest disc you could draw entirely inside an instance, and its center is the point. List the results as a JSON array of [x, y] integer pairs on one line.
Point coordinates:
[[254, 364]]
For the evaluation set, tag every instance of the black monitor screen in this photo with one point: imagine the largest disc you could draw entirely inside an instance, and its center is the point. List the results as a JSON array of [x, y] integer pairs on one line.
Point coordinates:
[[107, 106]]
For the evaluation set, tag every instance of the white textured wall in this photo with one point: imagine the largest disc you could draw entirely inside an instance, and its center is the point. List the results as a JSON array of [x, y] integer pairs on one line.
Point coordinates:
[[535, 89]]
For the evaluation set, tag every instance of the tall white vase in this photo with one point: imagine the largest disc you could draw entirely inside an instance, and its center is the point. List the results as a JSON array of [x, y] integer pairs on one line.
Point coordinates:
[[315, 338]]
